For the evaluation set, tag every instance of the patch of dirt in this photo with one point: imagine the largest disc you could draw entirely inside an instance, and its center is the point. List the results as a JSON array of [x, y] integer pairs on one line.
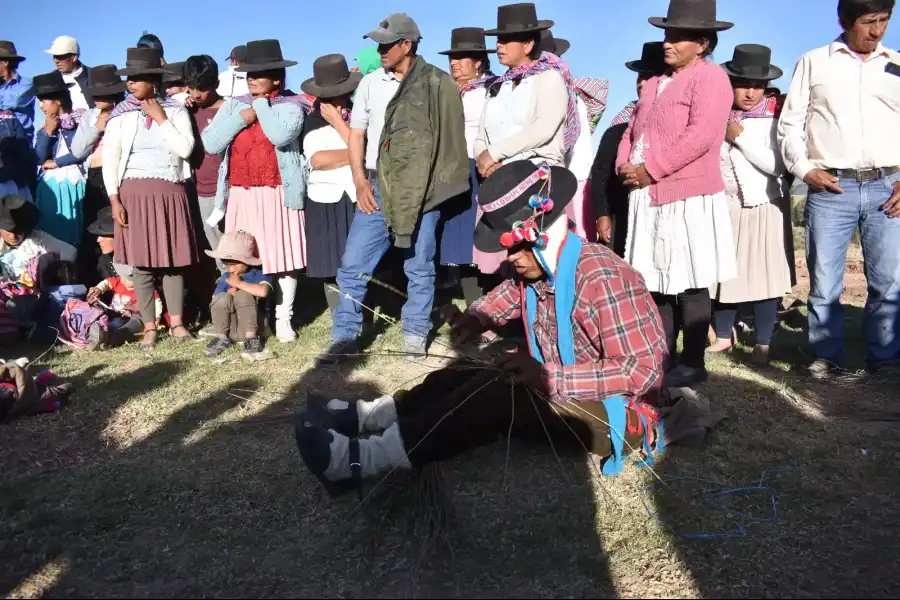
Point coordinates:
[[855, 288]]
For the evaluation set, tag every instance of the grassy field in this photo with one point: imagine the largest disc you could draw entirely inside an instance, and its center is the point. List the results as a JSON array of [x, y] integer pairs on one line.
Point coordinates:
[[172, 475]]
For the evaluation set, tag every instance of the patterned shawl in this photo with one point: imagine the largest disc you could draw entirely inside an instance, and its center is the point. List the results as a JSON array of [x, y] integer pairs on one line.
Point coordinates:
[[769, 108], [305, 101], [546, 62], [593, 93], [132, 104], [626, 114], [484, 81], [70, 120]]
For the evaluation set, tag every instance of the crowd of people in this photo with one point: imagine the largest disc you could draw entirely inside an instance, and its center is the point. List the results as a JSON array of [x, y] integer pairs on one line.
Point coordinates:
[[677, 222]]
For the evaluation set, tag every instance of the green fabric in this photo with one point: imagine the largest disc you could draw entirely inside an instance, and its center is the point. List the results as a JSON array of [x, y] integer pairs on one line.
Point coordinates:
[[423, 159], [368, 60]]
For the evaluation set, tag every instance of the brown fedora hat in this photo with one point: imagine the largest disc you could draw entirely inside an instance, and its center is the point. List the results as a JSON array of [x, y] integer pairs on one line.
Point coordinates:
[[696, 15], [331, 77], [104, 81], [142, 61], [518, 18], [264, 55], [8, 51], [553, 45], [467, 40], [652, 60]]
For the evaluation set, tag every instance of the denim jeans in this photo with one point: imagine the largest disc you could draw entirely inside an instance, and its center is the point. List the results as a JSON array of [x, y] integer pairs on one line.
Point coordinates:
[[830, 222], [367, 243]]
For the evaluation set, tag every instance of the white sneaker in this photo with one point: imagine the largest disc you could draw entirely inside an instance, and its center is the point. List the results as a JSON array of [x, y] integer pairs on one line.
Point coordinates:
[[285, 333]]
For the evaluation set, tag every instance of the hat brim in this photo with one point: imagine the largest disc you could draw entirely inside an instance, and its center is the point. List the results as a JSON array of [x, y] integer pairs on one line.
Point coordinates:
[[773, 74], [27, 220], [332, 91], [468, 51], [540, 26], [100, 230], [382, 37], [258, 68], [639, 66], [112, 90], [663, 23], [247, 260], [13, 57], [129, 71], [562, 46]]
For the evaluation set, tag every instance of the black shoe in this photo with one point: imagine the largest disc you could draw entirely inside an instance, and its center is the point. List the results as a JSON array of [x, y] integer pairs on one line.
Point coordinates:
[[217, 346], [821, 369], [253, 350], [314, 443], [339, 351], [344, 421], [685, 376]]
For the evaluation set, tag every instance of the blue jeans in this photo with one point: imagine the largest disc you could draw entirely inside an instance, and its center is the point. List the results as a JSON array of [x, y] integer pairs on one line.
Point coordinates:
[[367, 243], [830, 222]]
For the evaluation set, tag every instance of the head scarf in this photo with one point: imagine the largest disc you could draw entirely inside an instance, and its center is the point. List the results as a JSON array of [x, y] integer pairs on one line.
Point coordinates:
[[368, 60]]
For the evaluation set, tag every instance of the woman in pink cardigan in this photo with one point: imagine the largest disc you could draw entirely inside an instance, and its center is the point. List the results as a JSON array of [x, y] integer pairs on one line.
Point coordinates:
[[679, 228]]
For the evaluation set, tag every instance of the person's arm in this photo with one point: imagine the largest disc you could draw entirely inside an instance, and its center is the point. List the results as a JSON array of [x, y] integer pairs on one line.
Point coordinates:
[[623, 154], [43, 146], [70, 158], [500, 306], [762, 153], [792, 136], [711, 98], [480, 144], [327, 160], [357, 154], [259, 290], [626, 322], [223, 128], [112, 153], [282, 123], [178, 134], [86, 136], [551, 102], [604, 168]]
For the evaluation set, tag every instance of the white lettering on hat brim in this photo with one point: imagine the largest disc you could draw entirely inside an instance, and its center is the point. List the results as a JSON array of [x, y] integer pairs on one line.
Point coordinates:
[[513, 193]]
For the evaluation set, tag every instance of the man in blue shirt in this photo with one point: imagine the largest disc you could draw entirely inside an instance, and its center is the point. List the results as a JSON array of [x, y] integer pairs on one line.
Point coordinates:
[[16, 92]]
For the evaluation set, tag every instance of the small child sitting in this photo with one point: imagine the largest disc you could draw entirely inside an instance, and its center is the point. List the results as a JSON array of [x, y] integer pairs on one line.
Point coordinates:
[[23, 395], [234, 307], [125, 323]]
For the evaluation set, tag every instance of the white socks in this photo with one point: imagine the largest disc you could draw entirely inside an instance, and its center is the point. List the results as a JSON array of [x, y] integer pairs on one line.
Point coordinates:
[[377, 454], [286, 288], [376, 415]]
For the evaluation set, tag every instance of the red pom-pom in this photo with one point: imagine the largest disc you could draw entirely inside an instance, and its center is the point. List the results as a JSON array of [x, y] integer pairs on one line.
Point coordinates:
[[507, 240]]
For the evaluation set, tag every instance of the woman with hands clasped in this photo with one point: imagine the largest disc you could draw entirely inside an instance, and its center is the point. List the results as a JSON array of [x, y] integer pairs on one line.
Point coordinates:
[[259, 135], [147, 143]]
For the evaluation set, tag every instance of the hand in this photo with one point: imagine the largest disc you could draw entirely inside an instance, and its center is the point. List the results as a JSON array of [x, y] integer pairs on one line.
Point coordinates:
[[639, 178], [484, 162], [524, 369], [464, 326], [118, 211], [822, 180], [153, 109], [491, 169], [51, 123], [189, 102], [93, 295], [625, 172], [48, 165], [249, 116], [331, 113], [365, 196], [733, 131], [102, 118], [234, 281], [892, 206], [604, 229], [232, 291]]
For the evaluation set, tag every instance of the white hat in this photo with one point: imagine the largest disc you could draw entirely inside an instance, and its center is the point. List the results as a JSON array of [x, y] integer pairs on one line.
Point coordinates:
[[64, 44]]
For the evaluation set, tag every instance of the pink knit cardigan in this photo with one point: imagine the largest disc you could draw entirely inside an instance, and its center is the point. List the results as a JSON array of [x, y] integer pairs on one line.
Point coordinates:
[[683, 129]]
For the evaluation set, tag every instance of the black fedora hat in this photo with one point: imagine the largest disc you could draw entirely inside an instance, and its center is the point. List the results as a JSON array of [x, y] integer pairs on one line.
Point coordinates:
[[653, 59], [465, 40], [553, 45], [104, 81], [504, 198], [8, 51], [104, 226], [142, 61], [18, 215], [264, 55], [752, 61], [49, 83], [518, 18], [331, 77], [174, 72], [698, 15]]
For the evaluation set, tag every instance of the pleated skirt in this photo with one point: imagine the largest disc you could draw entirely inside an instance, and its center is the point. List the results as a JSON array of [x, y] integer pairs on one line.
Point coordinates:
[[280, 232], [61, 201], [327, 227]]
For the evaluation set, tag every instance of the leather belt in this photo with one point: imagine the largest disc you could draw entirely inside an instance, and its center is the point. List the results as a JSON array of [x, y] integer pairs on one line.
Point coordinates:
[[372, 174], [863, 174]]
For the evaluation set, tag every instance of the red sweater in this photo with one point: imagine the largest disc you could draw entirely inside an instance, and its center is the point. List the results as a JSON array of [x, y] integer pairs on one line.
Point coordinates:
[[684, 128]]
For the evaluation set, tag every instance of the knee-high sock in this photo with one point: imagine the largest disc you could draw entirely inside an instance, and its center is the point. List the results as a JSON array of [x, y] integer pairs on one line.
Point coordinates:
[[377, 415], [377, 454], [286, 291]]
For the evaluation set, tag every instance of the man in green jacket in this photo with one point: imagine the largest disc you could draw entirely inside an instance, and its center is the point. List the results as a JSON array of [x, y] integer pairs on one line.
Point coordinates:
[[408, 156]]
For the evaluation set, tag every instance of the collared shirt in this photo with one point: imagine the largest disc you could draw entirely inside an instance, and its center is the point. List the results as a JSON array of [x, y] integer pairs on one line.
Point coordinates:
[[374, 93], [17, 95], [842, 112], [232, 84], [79, 101], [473, 105], [620, 345]]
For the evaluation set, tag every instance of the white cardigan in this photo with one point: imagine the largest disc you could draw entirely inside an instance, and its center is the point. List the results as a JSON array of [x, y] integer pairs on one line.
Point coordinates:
[[757, 163], [119, 139]]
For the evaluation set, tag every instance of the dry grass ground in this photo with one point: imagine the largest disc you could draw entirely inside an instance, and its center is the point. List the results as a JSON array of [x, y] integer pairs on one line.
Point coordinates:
[[174, 476]]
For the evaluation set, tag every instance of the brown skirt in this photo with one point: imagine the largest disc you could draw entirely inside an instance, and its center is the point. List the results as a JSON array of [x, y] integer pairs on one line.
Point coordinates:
[[160, 233]]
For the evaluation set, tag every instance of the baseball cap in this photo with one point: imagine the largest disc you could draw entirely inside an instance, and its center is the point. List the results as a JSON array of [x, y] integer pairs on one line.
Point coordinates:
[[64, 44], [395, 27], [238, 53]]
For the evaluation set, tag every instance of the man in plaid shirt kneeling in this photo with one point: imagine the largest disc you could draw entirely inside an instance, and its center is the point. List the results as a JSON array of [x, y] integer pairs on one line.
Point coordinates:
[[590, 375]]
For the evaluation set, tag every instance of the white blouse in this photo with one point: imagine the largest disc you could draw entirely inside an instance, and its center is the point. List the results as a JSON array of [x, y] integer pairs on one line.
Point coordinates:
[[473, 105], [327, 187]]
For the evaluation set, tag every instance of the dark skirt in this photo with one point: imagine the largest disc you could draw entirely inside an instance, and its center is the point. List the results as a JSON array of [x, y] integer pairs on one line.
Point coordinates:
[[327, 228], [456, 229], [160, 232]]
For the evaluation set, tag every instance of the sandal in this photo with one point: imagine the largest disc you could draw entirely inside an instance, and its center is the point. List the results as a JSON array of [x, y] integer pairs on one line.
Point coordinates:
[[149, 340], [188, 336]]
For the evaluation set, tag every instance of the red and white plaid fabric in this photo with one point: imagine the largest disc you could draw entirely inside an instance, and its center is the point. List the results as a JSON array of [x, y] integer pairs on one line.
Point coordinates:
[[620, 344]]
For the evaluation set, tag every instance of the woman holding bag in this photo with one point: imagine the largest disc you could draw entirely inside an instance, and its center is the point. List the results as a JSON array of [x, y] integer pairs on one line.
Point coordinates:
[[260, 136]]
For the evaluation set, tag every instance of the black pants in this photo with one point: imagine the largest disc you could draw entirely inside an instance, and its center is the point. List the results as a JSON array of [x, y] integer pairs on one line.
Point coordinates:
[[689, 312], [95, 199]]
